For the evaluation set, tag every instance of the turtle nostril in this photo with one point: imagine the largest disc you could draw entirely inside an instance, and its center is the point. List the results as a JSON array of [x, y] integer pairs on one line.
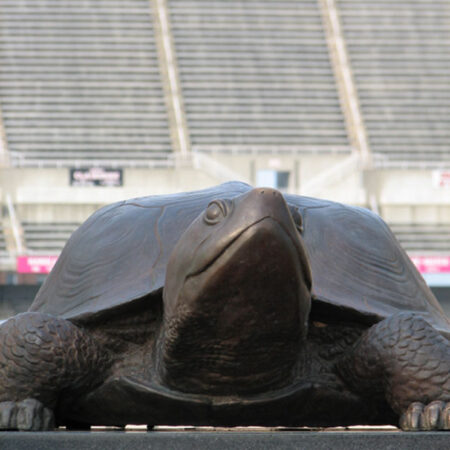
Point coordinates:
[[268, 192]]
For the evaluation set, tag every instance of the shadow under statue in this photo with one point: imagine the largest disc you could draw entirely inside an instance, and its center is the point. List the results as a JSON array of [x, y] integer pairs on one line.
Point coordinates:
[[228, 306]]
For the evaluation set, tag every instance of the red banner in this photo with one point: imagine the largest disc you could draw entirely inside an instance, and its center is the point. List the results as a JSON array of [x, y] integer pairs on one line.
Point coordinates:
[[44, 264], [35, 264], [432, 264]]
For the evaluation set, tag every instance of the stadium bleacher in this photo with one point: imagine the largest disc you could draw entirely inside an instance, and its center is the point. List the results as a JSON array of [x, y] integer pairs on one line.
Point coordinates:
[[80, 83], [256, 76], [432, 239], [260, 90], [47, 238], [50, 237], [3, 248], [400, 56]]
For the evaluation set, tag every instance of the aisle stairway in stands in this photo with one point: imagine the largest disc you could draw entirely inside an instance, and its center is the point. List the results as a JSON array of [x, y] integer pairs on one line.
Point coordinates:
[[256, 76], [400, 54], [80, 83]]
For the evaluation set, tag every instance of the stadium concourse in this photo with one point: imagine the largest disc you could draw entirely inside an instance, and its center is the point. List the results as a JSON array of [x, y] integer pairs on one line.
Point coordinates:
[[102, 100]]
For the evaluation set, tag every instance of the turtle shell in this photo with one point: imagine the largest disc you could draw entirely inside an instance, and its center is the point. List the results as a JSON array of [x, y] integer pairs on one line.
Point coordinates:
[[120, 255], [358, 265]]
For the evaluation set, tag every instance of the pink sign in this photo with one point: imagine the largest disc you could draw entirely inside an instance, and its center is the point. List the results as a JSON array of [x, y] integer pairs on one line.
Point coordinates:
[[432, 264], [35, 264], [441, 178]]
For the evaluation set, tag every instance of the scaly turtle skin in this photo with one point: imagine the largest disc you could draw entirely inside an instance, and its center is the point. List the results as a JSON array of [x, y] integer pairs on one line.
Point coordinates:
[[228, 306]]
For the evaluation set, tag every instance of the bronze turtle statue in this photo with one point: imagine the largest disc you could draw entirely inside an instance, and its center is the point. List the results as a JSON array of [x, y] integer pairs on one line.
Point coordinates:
[[228, 306]]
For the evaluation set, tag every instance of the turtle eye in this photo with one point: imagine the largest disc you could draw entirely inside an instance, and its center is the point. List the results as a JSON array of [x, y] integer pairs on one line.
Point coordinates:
[[215, 212], [297, 218]]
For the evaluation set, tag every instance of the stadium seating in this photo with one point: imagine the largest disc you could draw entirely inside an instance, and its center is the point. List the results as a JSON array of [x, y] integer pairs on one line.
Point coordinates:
[[400, 55], [3, 249], [80, 82], [47, 238], [423, 238], [256, 75]]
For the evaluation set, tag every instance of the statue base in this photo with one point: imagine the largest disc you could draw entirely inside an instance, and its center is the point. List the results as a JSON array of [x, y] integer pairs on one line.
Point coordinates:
[[236, 439]]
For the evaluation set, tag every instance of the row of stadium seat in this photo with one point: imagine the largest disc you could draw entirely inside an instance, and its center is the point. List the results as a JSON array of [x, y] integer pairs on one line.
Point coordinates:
[[423, 238], [256, 74], [81, 81], [3, 248], [400, 54], [48, 238]]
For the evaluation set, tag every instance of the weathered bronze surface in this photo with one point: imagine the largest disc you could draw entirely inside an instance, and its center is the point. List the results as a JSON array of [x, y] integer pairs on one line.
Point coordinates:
[[228, 306]]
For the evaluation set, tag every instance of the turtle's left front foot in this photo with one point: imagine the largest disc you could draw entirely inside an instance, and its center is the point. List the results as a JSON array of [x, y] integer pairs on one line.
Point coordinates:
[[434, 416], [406, 361]]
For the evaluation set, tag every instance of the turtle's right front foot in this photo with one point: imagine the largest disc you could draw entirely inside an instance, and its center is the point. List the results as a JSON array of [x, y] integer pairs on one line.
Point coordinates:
[[27, 415]]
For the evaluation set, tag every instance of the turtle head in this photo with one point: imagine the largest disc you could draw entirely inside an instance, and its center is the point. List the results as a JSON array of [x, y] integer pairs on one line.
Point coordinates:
[[236, 297]]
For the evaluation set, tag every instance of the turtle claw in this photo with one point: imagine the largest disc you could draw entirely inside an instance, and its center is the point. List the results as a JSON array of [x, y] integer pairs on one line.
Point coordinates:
[[445, 417], [431, 416], [27, 415], [410, 419], [434, 416], [8, 415]]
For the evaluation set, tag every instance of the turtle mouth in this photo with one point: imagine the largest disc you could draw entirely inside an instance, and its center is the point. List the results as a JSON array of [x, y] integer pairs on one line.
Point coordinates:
[[245, 232]]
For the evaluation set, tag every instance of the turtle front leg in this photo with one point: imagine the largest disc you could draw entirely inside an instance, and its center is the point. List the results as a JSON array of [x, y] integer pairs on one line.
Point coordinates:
[[42, 358], [407, 360]]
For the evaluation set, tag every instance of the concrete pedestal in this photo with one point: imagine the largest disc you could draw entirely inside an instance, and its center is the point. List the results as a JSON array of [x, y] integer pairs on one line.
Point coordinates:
[[217, 440]]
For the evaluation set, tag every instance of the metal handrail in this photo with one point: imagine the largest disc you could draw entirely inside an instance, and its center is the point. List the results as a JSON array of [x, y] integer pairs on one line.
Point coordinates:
[[332, 175], [216, 169], [14, 224]]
